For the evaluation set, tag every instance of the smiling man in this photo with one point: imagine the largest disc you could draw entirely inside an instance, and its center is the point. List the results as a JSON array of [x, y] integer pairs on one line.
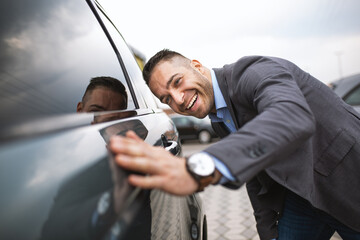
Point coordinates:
[[171, 86], [285, 134]]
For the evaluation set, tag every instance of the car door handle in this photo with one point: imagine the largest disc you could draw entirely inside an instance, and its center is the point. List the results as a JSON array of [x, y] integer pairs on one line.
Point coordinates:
[[171, 146]]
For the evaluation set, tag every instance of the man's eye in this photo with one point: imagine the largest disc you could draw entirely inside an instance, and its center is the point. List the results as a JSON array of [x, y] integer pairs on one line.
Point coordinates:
[[167, 100], [177, 81]]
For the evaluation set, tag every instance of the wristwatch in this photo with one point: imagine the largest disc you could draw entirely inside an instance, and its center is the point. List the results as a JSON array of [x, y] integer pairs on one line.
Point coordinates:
[[202, 168]]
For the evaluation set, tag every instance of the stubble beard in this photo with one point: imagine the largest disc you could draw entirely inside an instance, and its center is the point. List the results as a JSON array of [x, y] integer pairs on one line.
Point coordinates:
[[208, 93]]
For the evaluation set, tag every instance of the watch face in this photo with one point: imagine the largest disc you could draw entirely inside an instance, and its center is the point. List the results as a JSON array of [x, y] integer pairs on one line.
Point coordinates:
[[201, 164]]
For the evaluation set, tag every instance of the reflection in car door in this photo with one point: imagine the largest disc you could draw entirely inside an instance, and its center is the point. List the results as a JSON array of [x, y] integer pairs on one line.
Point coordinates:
[[172, 217], [98, 197], [58, 180]]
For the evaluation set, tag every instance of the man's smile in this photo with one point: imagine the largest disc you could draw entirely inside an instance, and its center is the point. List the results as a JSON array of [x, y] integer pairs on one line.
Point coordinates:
[[192, 101]]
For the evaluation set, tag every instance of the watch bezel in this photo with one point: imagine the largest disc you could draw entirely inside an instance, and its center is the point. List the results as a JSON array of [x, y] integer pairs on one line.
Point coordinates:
[[202, 180], [201, 158]]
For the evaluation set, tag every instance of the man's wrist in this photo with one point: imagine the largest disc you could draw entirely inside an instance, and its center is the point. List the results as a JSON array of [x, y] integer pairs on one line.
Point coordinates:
[[217, 177]]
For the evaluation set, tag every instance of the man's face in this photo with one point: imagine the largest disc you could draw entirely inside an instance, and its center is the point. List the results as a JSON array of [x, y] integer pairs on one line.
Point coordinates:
[[185, 87], [101, 99]]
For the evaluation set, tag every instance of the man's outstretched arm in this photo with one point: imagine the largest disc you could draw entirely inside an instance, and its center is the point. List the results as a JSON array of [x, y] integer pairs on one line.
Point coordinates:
[[162, 170]]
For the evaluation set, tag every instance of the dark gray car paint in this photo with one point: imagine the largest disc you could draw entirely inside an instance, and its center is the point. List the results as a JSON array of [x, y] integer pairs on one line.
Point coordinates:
[[54, 166]]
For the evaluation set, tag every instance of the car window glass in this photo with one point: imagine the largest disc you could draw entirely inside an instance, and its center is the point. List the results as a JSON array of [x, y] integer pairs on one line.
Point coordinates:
[[181, 122], [48, 56], [354, 97], [143, 93]]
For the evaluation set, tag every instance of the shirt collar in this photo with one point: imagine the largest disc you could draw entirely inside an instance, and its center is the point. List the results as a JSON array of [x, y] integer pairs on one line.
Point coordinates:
[[219, 98], [220, 103]]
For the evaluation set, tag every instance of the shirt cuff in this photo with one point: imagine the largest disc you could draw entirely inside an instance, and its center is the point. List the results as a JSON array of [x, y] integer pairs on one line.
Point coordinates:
[[220, 166]]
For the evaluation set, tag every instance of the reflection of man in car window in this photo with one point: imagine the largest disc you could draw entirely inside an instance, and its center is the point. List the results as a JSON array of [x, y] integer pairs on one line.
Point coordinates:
[[103, 94]]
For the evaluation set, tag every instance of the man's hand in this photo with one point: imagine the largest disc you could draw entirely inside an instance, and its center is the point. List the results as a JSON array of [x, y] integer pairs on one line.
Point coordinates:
[[164, 171]]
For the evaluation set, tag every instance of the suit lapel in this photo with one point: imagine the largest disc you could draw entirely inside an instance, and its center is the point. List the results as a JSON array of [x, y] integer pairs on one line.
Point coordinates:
[[220, 129], [222, 81]]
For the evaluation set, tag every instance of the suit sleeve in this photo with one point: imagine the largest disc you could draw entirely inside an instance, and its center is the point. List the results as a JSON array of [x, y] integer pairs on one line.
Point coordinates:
[[283, 119]]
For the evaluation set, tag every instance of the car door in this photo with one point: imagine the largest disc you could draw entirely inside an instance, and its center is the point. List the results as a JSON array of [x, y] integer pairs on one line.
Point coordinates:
[[57, 177], [172, 217], [58, 180]]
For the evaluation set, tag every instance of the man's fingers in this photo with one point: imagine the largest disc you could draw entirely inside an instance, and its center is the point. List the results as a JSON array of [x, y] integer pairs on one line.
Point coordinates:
[[146, 182], [122, 145], [131, 134], [177, 187], [138, 164], [135, 146]]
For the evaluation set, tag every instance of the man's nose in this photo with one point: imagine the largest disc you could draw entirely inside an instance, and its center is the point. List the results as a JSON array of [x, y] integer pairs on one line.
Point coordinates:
[[178, 97]]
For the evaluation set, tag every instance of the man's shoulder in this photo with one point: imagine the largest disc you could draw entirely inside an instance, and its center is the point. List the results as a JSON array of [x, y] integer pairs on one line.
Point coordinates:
[[238, 67], [260, 67], [243, 61], [251, 68], [256, 60], [247, 61]]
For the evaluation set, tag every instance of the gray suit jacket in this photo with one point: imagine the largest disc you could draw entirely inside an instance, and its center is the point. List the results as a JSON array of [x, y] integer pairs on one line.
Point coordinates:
[[293, 133]]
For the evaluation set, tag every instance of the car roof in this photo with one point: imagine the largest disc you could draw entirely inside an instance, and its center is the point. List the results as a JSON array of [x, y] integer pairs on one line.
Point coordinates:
[[344, 85]]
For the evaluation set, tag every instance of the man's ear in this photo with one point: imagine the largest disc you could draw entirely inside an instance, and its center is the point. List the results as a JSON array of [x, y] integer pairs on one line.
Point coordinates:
[[197, 65], [79, 107]]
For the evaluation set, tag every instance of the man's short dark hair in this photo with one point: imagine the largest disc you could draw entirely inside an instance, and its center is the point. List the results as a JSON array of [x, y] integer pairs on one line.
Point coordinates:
[[162, 55], [107, 82]]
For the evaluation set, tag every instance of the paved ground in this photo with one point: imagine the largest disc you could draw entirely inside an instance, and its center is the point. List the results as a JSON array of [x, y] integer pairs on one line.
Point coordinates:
[[227, 221]]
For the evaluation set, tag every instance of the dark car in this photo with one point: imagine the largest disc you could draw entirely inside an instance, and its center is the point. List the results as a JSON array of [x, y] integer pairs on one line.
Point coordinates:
[[57, 178], [192, 128], [348, 88]]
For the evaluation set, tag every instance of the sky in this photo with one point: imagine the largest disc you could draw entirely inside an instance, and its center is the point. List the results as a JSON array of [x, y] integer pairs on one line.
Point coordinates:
[[320, 36]]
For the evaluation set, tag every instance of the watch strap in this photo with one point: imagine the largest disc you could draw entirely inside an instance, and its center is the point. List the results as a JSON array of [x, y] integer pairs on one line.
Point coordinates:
[[204, 182]]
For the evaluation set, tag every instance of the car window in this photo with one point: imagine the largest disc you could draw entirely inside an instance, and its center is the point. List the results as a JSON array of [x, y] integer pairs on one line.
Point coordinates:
[[143, 94], [353, 98], [182, 121], [45, 65]]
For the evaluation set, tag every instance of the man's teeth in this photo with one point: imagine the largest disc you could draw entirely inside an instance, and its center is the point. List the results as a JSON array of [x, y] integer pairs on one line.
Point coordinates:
[[192, 102]]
